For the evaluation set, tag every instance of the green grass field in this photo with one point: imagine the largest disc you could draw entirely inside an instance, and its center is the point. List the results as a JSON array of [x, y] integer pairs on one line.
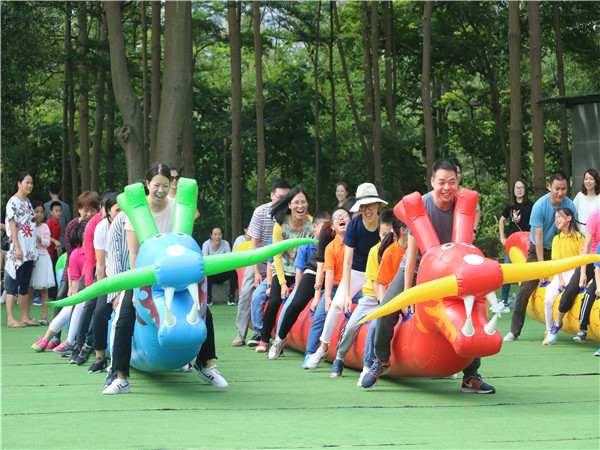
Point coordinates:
[[547, 397]]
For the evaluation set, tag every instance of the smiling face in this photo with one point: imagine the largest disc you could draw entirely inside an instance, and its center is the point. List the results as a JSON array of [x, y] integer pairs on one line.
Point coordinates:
[[590, 183], [174, 180], [369, 212], [299, 206], [558, 191], [445, 185], [216, 235], [519, 191], [39, 214], [158, 188], [562, 221], [341, 193], [339, 221], [25, 186]]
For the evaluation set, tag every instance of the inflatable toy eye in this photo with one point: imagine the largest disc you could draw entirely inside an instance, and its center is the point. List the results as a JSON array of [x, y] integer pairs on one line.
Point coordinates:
[[179, 234], [447, 246], [468, 245], [158, 236]]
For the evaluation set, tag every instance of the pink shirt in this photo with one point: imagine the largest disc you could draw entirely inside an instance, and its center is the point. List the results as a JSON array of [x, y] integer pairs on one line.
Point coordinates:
[[90, 251], [76, 264], [593, 226], [44, 233]]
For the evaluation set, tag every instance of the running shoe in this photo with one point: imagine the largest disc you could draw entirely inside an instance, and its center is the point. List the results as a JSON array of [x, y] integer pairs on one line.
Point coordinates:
[[74, 355], [54, 342], [510, 337], [554, 329], [253, 342], [262, 347], [99, 365], [378, 369], [316, 358], [337, 368], [84, 355], [230, 300], [475, 385], [305, 362], [64, 349], [40, 345], [110, 377], [362, 375], [211, 376], [580, 337], [276, 348], [545, 341], [118, 386]]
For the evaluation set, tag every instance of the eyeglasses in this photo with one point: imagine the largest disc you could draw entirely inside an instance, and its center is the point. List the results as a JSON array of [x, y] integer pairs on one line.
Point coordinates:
[[340, 216], [175, 178], [370, 207], [520, 188]]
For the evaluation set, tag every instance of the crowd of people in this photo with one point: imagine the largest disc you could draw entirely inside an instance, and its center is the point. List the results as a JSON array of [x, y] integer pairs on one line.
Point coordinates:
[[364, 257]]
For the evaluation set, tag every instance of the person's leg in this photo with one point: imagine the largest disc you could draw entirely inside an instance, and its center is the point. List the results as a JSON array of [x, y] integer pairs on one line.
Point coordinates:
[[549, 298], [303, 294], [567, 298], [472, 382], [586, 306], [522, 298], [100, 326], [209, 284], [11, 292], [366, 305], [505, 287], [369, 355], [243, 309], [257, 306], [24, 298], [316, 326], [233, 281], [123, 334], [204, 360], [45, 305], [61, 293], [272, 309], [286, 305], [74, 323], [385, 325]]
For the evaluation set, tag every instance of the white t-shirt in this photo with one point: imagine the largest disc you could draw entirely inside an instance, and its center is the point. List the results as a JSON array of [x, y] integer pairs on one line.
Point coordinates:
[[101, 238], [239, 240], [163, 219], [585, 205]]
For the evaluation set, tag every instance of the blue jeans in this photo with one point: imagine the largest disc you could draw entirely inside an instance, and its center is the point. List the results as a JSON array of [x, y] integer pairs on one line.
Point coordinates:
[[369, 355], [257, 306], [505, 287], [316, 328]]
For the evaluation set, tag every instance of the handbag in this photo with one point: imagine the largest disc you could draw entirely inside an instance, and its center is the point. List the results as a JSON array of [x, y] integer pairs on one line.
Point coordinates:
[[5, 242]]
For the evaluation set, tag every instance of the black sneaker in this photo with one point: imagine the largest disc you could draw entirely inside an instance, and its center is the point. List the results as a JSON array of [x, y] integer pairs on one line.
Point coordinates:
[[74, 355], [98, 366], [84, 355], [254, 341], [209, 301], [230, 300]]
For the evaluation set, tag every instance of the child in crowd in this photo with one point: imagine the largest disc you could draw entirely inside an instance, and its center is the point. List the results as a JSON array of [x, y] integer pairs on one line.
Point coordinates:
[[75, 274], [567, 243], [42, 276], [55, 230]]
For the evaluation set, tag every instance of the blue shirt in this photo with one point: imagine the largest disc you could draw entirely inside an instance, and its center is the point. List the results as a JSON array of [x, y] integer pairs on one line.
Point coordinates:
[[542, 216], [303, 255], [597, 264], [361, 240]]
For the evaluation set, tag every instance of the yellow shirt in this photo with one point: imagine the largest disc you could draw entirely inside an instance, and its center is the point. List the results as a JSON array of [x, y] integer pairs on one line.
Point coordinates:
[[371, 271], [567, 246]]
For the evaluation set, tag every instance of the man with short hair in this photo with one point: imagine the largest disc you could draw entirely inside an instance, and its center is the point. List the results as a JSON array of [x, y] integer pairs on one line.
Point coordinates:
[[439, 205], [540, 246], [260, 232], [65, 218]]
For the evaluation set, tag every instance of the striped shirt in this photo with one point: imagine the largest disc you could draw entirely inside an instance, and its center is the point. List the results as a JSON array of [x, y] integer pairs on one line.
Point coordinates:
[[261, 225], [117, 252]]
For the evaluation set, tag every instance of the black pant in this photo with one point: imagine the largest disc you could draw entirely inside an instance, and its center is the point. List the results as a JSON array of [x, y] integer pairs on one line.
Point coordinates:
[[86, 317], [568, 297], [586, 306], [222, 278], [124, 333], [304, 293], [273, 307], [100, 323]]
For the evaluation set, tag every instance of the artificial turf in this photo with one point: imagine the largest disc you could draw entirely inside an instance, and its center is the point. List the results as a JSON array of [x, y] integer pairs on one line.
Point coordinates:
[[547, 396]]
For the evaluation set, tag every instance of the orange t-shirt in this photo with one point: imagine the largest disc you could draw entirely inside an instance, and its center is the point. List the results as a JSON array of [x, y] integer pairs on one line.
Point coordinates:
[[390, 262], [334, 259]]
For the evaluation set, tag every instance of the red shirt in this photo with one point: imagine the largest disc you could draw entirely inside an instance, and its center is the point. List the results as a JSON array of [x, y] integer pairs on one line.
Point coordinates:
[[55, 230]]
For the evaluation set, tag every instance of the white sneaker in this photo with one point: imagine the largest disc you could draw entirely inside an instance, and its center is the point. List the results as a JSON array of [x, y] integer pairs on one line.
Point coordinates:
[[503, 308], [316, 358], [276, 348], [186, 368], [3, 297], [510, 337], [362, 374], [118, 386], [212, 376]]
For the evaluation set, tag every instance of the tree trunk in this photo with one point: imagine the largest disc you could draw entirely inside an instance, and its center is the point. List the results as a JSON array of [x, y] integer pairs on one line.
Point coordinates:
[[368, 76], [187, 149], [261, 190], [425, 89], [176, 81], [334, 148], [497, 114], [516, 113], [99, 119], [84, 108], [376, 99], [65, 120], [131, 134], [71, 103], [390, 103], [145, 93], [564, 131], [236, 117], [363, 145], [316, 84], [155, 55], [109, 153], [225, 193], [537, 114]]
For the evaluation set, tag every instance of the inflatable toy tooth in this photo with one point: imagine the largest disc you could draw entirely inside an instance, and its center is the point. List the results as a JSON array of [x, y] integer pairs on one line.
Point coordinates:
[[168, 284]]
